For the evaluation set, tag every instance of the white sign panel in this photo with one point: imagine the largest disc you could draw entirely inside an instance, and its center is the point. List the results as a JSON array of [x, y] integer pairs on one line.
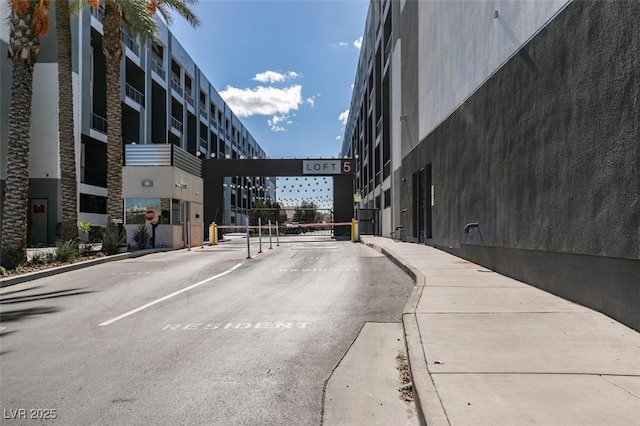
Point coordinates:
[[321, 167]]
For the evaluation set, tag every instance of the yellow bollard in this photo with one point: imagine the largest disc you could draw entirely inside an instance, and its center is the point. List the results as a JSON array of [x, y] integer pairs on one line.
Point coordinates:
[[213, 234], [354, 231]]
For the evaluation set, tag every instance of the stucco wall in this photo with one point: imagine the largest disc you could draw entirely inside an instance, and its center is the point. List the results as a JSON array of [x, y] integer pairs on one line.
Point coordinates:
[[461, 43], [545, 157]]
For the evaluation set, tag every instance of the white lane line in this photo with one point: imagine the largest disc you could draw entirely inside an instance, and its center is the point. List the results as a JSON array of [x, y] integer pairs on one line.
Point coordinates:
[[168, 296]]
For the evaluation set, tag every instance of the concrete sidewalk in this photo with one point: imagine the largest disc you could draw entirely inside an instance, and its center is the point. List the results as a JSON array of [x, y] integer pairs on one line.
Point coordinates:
[[485, 349]]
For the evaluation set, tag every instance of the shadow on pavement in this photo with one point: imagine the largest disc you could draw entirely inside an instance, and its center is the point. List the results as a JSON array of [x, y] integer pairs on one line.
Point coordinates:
[[21, 290], [42, 296], [20, 314]]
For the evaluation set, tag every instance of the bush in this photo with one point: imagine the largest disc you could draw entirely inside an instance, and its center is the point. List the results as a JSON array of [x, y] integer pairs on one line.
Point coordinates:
[[66, 251], [96, 233], [112, 240], [3, 271], [141, 236]]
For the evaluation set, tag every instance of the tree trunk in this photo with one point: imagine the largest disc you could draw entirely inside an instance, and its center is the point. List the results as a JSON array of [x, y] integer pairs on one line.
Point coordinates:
[[14, 220], [66, 139], [112, 49]]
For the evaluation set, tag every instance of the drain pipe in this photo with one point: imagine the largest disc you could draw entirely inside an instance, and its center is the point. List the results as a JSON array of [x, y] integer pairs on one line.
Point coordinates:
[[468, 226]]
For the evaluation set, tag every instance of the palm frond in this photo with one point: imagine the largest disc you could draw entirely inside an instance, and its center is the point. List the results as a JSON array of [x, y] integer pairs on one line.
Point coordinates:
[[141, 22], [76, 6], [181, 7]]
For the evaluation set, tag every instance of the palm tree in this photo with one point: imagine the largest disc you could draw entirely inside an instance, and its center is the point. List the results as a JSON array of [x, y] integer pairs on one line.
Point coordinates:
[[28, 22], [67, 146], [139, 15]]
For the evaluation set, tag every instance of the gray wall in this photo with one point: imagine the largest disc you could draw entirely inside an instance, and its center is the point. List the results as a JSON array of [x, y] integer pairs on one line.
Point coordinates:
[[545, 156]]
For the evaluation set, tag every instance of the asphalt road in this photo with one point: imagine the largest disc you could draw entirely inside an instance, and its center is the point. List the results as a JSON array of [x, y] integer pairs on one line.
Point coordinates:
[[192, 337]]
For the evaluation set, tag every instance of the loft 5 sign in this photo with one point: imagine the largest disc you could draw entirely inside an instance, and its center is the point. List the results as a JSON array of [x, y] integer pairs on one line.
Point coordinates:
[[327, 167]]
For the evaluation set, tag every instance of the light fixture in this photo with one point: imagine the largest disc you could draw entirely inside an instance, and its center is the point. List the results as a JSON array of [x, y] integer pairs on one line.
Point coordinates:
[[356, 156], [242, 157], [213, 155], [147, 182], [198, 154], [403, 117], [227, 156]]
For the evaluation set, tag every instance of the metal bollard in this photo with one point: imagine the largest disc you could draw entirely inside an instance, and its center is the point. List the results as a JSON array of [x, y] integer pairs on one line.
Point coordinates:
[[260, 234], [270, 245]]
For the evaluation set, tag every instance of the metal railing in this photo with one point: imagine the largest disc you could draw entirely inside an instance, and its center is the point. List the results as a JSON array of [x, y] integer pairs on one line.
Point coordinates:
[[134, 94], [156, 67], [387, 49], [203, 143], [188, 97], [203, 111], [175, 85], [99, 123], [176, 124], [130, 42], [97, 13]]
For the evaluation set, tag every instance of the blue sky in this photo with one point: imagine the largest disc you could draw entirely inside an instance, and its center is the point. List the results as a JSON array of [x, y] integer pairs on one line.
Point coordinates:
[[286, 68]]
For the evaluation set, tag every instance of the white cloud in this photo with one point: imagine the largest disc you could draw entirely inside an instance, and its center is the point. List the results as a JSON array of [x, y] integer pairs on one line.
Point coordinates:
[[344, 115], [262, 100], [311, 101], [358, 43], [340, 44], [274, 77], [351, 87], [338, 138]]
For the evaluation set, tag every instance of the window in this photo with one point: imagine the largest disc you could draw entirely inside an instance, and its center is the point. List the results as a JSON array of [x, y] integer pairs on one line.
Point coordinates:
[[387, 198], [93, 204], [135, 209]]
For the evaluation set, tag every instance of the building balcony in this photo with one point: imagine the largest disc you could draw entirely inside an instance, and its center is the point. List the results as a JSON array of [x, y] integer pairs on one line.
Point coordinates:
[[156, 67], [387, 49], [189, 97], [97, 13], [129, 42], [175, 85], [203, 112], [176, 125], [99, 123], [203, 144], [133, 94]]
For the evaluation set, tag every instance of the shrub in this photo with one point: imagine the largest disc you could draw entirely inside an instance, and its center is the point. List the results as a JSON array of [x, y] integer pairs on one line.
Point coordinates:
[[96, 233], [40, 258], [66, 250], [111, 240], [3, 271], [141, 236]]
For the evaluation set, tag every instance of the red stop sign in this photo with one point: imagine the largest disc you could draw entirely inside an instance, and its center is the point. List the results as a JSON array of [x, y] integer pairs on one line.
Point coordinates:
[[150, 215]]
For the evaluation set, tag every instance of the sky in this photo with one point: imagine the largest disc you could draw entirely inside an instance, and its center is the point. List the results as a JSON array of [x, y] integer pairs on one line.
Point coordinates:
[[287, 70]]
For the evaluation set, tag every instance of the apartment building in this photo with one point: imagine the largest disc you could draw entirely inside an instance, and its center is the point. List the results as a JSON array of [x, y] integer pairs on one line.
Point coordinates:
[[506, 132], [172, 119]]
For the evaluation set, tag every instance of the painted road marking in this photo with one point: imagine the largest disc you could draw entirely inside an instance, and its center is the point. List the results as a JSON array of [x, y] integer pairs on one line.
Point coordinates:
[[3, 328], [321, 270], [175, 293], [238, 326]]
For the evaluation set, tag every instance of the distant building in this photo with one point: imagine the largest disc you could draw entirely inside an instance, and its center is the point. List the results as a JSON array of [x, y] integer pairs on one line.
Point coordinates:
[[506, 132], [172, 119]]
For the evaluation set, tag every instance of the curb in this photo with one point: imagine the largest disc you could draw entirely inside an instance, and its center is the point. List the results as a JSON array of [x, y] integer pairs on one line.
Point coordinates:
[[6, 282], [428, 403]]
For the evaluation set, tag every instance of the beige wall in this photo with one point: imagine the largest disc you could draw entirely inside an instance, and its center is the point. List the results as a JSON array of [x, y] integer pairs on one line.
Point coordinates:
[[166, 184]]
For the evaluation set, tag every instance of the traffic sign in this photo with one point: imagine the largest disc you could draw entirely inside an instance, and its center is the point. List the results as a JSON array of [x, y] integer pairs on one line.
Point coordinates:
[[149, 215]]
